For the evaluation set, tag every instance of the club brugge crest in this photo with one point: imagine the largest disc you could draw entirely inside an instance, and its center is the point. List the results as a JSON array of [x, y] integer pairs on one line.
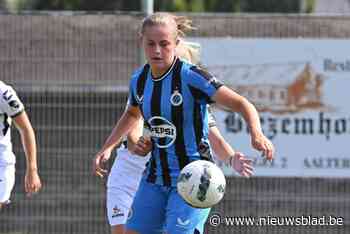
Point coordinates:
[[162, 131], [176, 98]]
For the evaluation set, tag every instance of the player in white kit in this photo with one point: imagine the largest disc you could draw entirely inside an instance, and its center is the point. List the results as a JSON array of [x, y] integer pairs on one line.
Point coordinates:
[[12, 109], [123, 180]]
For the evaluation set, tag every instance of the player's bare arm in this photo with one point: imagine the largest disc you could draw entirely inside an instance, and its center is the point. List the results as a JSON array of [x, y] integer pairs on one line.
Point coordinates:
[[135, 138], [32, 181], [235, 102], [143, 146], [129, 118], [226, 153]]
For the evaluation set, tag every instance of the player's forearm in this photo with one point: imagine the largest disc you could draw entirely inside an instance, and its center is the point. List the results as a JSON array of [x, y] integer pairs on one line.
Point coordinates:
[[223, 152], [237, 103], [220, 147], [122, 128], [251, 116], [29, 146], [134, 135]]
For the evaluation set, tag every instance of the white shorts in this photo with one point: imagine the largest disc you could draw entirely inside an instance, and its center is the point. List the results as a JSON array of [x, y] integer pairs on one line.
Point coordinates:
[[7, 181], [123, 182]]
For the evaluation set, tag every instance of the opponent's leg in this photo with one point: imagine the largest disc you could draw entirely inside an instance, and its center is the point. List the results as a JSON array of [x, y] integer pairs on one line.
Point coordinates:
[[7, 181]]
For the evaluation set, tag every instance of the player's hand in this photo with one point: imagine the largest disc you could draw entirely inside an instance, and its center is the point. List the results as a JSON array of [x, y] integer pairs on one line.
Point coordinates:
[[32, 183], [241, 164], [143, 146], [261, 143], [99, 162]]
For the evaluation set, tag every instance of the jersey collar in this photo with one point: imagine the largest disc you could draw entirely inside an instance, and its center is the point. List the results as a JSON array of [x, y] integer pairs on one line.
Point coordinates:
[[176, 59]]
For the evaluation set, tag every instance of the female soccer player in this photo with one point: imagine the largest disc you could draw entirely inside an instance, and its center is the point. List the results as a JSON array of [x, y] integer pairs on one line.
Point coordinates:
[[12, 109], [131, 161], [126, 172], [172, 97]]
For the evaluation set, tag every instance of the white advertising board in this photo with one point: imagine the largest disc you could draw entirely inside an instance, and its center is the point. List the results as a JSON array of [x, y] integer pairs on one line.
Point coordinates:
[[301, 88]]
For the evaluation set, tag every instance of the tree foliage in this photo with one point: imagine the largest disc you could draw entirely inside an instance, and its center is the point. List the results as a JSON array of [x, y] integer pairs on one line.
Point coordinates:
[[271, 6], [86, 5], [197, 5], [266, 6]]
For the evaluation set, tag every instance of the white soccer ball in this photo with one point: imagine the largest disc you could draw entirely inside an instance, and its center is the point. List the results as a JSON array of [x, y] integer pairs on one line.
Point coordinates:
[[201, 184]]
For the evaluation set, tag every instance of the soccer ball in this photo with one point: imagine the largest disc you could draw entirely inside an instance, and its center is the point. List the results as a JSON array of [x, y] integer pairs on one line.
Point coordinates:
[[201, 184]]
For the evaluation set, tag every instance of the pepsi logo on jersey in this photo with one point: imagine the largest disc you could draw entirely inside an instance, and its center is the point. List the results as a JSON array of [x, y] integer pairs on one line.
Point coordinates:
[[162, 128]]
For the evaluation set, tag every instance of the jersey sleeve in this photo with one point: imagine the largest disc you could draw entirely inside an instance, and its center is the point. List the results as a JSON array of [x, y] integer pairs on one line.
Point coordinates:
[[211, 118], [132, 92], [137, 85], [202, 84], [131, 98], [10, 103]]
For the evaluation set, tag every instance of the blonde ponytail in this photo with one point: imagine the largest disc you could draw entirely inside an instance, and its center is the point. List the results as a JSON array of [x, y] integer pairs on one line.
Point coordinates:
[[184, 25], [189, 51]]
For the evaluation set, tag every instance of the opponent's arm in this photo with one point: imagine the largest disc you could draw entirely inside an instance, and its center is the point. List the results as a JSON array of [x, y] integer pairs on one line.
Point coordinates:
[[221, 148], [226, 153], [32, 181]]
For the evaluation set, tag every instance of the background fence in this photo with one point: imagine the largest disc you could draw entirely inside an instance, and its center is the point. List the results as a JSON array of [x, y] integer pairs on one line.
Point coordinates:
[[72, 72]]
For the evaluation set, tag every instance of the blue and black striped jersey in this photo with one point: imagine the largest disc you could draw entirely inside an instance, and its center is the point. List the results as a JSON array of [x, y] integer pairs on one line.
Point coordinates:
[[174, 106]]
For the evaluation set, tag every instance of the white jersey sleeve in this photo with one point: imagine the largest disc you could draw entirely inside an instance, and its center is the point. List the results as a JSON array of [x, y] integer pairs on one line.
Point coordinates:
[[211, 118], [10, 104]]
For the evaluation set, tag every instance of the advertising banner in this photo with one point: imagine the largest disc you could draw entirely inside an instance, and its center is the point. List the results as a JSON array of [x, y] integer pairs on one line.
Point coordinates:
[[301, 88]]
